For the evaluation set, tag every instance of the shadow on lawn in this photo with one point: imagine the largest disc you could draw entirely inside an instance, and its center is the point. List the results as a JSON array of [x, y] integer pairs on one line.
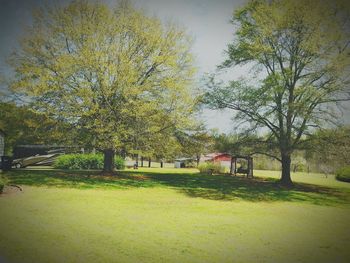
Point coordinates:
[[216, 187]]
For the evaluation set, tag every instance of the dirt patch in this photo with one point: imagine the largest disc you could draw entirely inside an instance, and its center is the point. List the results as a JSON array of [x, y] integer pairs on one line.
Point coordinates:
[[11, 189], [104, 177], [117, 177]]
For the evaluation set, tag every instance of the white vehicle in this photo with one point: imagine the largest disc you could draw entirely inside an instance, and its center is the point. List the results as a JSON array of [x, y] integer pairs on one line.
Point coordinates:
[[37, 159]]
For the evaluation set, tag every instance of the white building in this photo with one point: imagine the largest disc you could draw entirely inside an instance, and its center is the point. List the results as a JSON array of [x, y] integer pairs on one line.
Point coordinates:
[[182, 162]]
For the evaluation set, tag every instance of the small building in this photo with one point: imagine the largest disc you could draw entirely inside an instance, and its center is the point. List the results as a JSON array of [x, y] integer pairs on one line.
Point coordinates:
[[182, 162], [224, 159], [2, 143], [235, 164]]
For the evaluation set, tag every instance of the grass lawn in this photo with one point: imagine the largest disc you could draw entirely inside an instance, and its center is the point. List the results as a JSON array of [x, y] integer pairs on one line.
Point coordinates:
[[173, 215]]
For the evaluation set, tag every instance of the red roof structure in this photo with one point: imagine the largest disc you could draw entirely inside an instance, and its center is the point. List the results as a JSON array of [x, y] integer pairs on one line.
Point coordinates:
[[217, 157]]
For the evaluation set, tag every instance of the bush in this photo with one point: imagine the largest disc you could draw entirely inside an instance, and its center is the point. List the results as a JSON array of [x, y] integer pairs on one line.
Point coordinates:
[[343, 174], [85, 162], [191, 164], [3, 182], [209, 168], [119, 163]]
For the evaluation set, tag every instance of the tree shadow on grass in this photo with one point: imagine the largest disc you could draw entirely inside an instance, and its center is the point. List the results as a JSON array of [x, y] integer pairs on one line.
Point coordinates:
[[215, 187], [76, 179], [221, 187], [263, 190]]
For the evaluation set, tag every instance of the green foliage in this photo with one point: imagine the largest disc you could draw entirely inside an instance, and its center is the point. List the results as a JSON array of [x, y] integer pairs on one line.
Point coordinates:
[[211, 168], [331, 147], [79, 161], [343, 174], [108, 69], [119, 162], [299, 163], [3, 182], [262, 162], [85, 162], [260, 165], [195, 142], [299, 51]]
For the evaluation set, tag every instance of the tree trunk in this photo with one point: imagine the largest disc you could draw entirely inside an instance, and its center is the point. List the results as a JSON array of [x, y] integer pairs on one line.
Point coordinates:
[[250, 168], [137, 160], [149, 162], [286, 163], [295, 168], [235, 167], [141, 161], [108, 161], [161, 164]]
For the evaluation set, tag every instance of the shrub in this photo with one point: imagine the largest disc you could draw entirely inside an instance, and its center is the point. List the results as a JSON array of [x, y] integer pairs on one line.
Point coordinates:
[[85, 162], [191, 164], [210, 167], [343, 174], [119, 163], [3, 182]]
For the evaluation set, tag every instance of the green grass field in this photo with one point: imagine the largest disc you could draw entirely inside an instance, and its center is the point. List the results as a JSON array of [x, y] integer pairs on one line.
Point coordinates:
[[173, 215]]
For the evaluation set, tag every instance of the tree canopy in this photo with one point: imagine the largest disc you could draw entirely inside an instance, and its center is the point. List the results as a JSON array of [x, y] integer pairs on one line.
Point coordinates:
[[299, 53], [113, 71], [330, 147]]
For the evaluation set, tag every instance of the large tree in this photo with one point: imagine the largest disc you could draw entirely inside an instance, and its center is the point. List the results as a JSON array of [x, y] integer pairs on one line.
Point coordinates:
[[299, 51], [107, 70]]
